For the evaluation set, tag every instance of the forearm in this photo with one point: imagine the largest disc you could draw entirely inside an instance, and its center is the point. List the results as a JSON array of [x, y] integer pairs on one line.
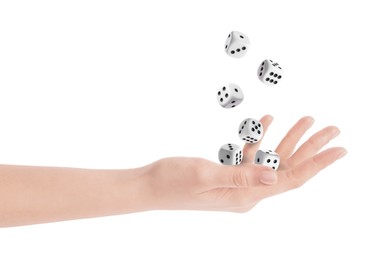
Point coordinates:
[[30, 195]]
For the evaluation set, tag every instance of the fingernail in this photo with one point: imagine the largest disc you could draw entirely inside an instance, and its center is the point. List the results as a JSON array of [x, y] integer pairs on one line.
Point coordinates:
[[311, 120], [335, 132], [268, 178], [341, 154]]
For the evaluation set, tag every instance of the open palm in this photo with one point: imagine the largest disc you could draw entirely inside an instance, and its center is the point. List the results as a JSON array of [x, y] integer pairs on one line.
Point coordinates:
[[196, 183]]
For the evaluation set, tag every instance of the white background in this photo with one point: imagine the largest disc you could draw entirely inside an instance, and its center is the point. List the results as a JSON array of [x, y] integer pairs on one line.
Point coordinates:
[[119, 84]]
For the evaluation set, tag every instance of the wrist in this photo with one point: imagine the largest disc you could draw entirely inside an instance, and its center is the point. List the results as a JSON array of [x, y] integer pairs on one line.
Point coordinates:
[[132, 190]]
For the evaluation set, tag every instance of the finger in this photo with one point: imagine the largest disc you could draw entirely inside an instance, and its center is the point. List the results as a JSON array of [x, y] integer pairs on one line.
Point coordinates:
[[249, 150], [297, 176], [241, 176], [289, 142], [313, 145], [269, 178]]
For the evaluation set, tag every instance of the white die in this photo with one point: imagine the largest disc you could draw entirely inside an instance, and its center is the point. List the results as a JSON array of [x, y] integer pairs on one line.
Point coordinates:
[[230, 154], [270, 72], [250, 130], [267, 158], [237, 44], [230, 95]]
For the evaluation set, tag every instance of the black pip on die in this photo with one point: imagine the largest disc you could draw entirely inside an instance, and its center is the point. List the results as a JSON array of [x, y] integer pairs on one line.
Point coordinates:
[[230, 95], [270, 72], [237, 44], [230, 154], [267, 158], [250, 130]]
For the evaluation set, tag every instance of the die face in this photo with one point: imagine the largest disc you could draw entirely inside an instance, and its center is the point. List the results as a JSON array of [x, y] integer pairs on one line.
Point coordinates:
[[270, 72], [230, 96], [268, 158], [230, 154], [237, 44], [250, 130], [228, 41]]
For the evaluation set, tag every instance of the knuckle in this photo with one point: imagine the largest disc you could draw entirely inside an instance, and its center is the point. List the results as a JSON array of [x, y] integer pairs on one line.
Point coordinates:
[[240, 178], [289, 136], [314, 143]]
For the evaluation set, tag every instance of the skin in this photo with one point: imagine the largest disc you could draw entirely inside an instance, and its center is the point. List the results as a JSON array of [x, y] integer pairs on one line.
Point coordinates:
[[31, 195]]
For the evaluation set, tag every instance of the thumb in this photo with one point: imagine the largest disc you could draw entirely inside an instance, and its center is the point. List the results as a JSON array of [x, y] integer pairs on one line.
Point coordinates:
[[268, 177], [241, 177]]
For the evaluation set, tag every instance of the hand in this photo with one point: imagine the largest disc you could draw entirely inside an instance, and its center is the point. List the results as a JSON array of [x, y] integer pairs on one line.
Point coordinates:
[[35, 194], [198, 184]]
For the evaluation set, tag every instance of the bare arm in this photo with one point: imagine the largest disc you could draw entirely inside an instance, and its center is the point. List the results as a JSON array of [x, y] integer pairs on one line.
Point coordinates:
[[30, 195]]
